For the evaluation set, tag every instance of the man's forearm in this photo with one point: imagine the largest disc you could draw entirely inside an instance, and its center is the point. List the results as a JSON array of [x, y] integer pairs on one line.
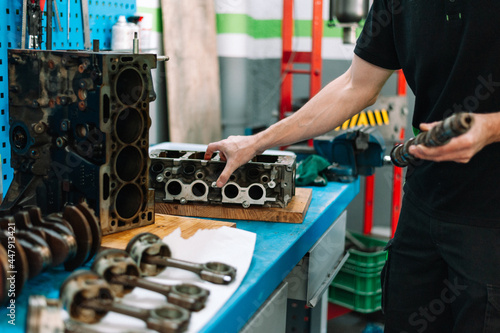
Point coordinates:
[[339, 100], [334, 104]]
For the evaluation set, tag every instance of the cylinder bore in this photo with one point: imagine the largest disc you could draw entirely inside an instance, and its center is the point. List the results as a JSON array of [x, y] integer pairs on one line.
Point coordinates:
[[129, 125], [129, 86], [174, 187], [231, 191], [253, 173], [199, 189], [128, 163], [157, 167], [188, 169], [128, 201], [255, 192]]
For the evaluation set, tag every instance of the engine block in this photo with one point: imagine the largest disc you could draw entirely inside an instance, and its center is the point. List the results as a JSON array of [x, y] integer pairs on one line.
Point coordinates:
[[79, 126], [185, 176]]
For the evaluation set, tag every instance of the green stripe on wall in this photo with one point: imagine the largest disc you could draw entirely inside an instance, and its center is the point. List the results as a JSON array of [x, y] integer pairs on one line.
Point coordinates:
[[244, 24], [157, 17]]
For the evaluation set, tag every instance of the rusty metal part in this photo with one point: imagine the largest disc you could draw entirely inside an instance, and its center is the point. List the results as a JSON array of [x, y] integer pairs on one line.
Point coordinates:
[[4, 268], [83, 236], [88, 298], [34, 243], [95, 229], [111, 264], [82, 243], [82, 286], [439, 135], [72, 237], [37, 252], [153, 256], [60, 238], [56, 242], [17, 259], [87, 229], [44, 315], [56, 219], [185, 176], [93, 144], [123, 275]]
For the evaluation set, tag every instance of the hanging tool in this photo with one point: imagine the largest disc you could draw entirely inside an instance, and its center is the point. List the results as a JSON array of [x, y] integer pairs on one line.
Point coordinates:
[[439, 135], [23, 25], [48, 28], [57, 15], [69, 16], [34, 15], [86, 25]]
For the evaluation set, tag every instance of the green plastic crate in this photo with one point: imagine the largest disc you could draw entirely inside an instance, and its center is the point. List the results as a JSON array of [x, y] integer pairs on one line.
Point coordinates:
[[360, 283], [360, 303], [364, 270], [364, 259]]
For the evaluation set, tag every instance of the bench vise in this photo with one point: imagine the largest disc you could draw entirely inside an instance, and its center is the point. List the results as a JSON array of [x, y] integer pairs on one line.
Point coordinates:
[[357, 151]]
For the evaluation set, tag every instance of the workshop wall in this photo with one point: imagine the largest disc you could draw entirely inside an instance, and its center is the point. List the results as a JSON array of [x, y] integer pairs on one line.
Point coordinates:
[[151, 41], [193, 89], [249, 48]]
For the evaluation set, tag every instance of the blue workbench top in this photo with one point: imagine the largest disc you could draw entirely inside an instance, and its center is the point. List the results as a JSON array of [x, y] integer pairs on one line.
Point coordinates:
[[278, 248]]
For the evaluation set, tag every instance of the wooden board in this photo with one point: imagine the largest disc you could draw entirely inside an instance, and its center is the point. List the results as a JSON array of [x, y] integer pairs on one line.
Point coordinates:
[[193, 84], [294, 212], [163, 226]]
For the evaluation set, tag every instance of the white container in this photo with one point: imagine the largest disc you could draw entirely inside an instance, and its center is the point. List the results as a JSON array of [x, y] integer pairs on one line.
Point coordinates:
[[122, 35]]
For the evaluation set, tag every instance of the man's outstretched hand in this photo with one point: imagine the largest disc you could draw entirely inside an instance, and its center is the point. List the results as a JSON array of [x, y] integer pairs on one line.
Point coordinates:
[[236, 151]]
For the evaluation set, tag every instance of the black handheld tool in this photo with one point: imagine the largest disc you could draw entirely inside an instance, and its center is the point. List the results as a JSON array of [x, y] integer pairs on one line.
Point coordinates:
[[439, 135], [34, 15]]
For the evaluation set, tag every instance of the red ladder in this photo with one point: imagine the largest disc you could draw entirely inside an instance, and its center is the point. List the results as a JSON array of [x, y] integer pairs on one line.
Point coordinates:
[[291, 57]]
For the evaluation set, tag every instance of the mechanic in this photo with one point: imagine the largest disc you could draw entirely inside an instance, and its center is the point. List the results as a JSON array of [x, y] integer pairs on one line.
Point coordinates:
[[443, 267]]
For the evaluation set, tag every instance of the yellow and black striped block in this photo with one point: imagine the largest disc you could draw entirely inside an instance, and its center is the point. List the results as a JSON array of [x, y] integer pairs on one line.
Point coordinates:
[[367, 118]]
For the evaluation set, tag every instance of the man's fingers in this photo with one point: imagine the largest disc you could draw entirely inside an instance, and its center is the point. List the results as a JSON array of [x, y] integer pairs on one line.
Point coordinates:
[[226, 173], [221, 181], [449, 152], [424, 152], [211, 149], [427, 126]]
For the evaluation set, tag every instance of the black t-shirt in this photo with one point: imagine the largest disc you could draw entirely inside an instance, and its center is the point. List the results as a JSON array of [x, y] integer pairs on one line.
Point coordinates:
[[449, 51]]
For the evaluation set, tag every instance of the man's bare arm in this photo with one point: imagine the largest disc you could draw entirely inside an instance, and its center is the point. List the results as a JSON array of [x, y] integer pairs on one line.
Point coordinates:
[[342, 98]]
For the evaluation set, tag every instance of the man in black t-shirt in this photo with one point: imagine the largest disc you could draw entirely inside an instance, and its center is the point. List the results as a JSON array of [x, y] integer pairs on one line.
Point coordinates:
[[443, 268]]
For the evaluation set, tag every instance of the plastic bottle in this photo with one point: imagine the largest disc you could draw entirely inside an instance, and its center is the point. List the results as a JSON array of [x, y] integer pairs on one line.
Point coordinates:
[[121, 39]]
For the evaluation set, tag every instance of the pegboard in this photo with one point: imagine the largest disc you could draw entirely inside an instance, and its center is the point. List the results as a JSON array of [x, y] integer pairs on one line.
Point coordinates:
[[102, 16]]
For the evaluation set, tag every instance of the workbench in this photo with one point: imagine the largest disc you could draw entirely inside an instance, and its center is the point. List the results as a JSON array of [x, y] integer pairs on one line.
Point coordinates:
[[279, 248]]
